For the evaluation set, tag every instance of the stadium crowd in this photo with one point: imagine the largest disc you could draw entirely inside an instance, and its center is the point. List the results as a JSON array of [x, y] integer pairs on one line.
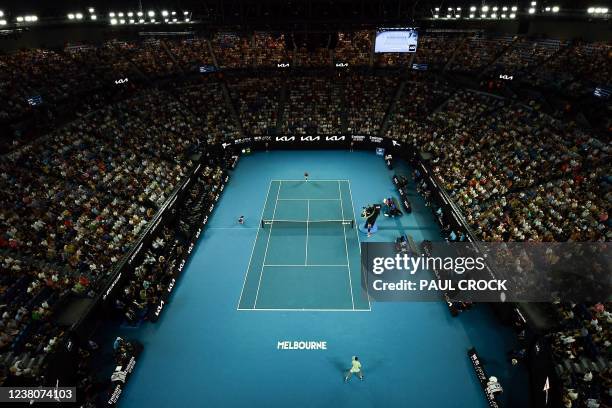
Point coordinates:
[[516, 172], [437, 50], [313, 106], [367, 101], [75, 201], [257, 101], [154, 277], [478, 52], [583, 349]]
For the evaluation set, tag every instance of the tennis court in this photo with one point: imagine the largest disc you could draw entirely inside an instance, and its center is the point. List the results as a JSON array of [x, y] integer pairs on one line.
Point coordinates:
[[306, 254]]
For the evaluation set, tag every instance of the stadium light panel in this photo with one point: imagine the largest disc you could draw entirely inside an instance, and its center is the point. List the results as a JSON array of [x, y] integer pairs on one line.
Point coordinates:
[[174, 20], [174, 13], [1, 13], [473, 8], [113, 21], [19, 19], [3, 22], [547, 9], [435, 16], [152, 20], [151, 13], [187, 19], [91, 10], [185, 13], [494, 15], [140, 14], [485, 8], [165, 13], [450, 9], [111, 14], [79, 16], [495, 8], [120, 14], [70, 16], [604, 10], [122, 21], [448, 16], [514, 8], [141, 21], [512, 15], [471, 15], [503, 16], [130, 14], [457, 15], [533, 3], [34, 18], [504, 8], [483, 16], [93, 17], [458, 9], [555, 9], [437, 9], [532, 10]]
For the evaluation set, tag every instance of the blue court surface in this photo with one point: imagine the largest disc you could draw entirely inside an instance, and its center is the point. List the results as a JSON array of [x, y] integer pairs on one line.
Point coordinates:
[[296, 278]]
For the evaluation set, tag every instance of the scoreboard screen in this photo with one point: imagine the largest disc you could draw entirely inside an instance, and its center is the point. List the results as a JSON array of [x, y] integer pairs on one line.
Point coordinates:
[[396, 40]]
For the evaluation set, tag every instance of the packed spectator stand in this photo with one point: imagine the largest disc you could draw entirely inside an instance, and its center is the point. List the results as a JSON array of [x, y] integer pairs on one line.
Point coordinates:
[[86, 170]]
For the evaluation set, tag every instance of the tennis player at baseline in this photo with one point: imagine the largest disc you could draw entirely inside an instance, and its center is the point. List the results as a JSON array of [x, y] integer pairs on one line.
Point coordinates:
[[355, 369]]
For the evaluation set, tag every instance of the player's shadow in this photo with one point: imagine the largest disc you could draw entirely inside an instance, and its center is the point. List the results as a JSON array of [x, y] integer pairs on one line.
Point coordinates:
[[339, 366]]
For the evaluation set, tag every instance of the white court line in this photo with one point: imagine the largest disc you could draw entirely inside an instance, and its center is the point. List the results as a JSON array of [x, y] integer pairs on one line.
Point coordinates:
[[308, 199], [269, 222], [233, 228], [254, 243], [280, 184], [346, 247], [357, 235], [309, 180], [307, 219], [301, 266], [306, 310]]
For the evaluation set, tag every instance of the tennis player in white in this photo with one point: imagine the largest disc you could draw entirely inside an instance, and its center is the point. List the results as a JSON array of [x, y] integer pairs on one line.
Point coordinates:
[[355, 369]]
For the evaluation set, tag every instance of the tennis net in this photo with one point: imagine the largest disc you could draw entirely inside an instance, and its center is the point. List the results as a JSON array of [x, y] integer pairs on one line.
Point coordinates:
[[300, 223]]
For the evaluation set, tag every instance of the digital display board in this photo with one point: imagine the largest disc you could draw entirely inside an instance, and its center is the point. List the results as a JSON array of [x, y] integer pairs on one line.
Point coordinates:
[[396, 40]]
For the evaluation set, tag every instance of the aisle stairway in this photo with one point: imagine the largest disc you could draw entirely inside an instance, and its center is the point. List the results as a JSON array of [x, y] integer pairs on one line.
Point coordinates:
[[341, 84], [281, 107], [232, 109], [172, 57], [390, 109]]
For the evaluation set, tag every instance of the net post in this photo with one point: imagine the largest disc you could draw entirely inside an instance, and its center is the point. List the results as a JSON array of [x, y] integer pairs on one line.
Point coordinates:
[[262, 223], [352, 223]]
